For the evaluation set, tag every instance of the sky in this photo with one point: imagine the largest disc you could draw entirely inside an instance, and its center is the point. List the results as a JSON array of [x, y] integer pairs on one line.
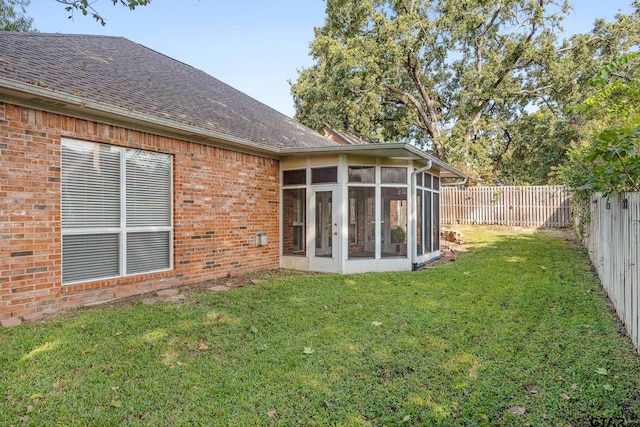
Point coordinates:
[[256, 46]]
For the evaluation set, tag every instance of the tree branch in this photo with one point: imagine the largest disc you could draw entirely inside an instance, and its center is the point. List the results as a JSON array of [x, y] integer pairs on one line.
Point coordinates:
[[476, 112], [627, 173], [425, 120], [430, 116], [569, 48], [86, 7], [535, 91]]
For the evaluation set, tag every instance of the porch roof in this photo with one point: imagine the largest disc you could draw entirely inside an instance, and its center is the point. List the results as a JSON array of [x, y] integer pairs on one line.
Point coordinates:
[[395, 150]]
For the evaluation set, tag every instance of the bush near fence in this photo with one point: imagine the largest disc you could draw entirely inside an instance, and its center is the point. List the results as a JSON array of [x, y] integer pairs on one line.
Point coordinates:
[[521, 206]]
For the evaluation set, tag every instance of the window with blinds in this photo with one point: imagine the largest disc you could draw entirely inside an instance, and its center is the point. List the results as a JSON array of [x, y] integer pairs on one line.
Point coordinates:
[[116, 211]]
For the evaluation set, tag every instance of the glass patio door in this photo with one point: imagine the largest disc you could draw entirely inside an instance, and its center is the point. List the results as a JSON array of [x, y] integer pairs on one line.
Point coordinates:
[[325, 230], [324, 224]]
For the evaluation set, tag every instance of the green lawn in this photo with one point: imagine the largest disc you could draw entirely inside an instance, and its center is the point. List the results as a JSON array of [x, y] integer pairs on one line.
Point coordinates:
[[515, 332]]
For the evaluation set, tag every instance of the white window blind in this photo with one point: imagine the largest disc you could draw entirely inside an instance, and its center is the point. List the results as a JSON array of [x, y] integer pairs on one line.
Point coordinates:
[[90, 185], [147, 251], [86, 257], [148, 189], [116, 211]]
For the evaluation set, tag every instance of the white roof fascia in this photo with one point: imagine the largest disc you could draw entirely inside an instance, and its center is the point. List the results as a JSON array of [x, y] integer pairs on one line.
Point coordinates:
[[377, 150], [59, 102]]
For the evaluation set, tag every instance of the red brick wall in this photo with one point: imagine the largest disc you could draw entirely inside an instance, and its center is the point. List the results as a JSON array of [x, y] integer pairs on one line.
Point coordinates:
[[221, 199]]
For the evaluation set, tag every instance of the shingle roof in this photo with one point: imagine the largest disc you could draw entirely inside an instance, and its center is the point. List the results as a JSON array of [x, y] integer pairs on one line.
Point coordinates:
[[118, 72]]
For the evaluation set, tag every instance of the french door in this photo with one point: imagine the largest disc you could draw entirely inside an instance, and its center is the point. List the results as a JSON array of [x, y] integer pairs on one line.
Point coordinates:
[[323, 217]]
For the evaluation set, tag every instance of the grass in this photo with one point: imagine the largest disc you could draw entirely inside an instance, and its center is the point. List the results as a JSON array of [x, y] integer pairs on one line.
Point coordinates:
[[517, 324]]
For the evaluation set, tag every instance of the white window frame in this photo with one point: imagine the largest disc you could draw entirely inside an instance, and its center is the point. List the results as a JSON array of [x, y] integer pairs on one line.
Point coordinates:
[[385, 229], [434, 227], [297, 226], [299, 215], [122, 231]]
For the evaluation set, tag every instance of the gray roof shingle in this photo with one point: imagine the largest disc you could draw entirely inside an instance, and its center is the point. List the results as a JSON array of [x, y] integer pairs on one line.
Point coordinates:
[[118, 72]]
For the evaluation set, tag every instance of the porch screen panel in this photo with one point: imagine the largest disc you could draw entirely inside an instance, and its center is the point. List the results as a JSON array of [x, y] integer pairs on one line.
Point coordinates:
[[427, 180], [427, 225], [294, 177], [324, 175], [436, 221], [419, 221], [394, 226], [362, 217], [362, 174], [393, 175], [293, 219]]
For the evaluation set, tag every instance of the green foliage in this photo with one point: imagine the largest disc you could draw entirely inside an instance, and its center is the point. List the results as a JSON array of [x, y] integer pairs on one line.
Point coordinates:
[[398, 235], [532, 147], [609, 159], [460, 78], [12, 16], [518, 321], [86, 7], [449, 74], [616, 162]]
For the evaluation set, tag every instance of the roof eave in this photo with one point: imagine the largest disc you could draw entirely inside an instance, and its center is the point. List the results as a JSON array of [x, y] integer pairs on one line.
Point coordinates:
[[407, 150], [28, 95]]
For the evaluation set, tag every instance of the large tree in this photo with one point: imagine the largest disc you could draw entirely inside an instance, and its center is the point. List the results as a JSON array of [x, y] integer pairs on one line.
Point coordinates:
[[12, 16], [462, 77], [606, 158]]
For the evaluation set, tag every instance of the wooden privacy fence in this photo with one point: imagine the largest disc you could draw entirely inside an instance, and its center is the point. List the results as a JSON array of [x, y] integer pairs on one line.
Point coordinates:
[[538, 206], [612, 237]]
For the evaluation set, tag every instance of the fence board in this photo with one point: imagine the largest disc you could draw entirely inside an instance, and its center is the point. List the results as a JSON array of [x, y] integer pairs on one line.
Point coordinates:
[[613, 242], [537, 206]]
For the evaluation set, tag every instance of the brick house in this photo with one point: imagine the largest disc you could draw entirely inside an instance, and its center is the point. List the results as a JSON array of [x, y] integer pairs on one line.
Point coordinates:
[[123, 171]]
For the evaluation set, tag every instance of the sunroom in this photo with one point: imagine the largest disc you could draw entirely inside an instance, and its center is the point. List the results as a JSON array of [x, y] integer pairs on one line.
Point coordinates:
[[361, 208]]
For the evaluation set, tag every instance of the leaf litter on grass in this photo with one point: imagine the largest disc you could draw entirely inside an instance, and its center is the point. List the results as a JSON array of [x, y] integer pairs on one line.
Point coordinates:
[[467, 357]]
